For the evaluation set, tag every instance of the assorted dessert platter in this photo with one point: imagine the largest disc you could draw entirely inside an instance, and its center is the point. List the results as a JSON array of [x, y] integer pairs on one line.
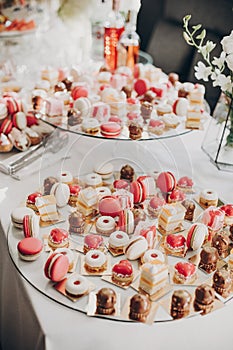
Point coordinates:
[[116, 244], [139, 105]]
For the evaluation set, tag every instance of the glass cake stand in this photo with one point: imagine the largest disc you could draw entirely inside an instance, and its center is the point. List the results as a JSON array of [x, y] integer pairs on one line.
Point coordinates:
[[81, 154]]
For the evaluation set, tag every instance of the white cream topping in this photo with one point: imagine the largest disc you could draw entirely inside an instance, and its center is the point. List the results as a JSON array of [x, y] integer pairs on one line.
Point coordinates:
[[95, 258], [77, 284], [118, 239]]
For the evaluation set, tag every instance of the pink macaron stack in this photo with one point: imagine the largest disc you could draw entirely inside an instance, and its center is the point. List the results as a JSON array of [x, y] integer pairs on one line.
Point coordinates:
[[166, 182]]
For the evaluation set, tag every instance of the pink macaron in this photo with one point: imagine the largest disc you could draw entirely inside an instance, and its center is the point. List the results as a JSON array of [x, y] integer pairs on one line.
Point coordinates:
[[180, 106], [31, 119], [138, 189], [19, 120], [30, 248], [110, 206], [196, 236], [110, 129], [56, 267], [166, 182], [31, 225], [13, 105], [6, 126], [79, 91]]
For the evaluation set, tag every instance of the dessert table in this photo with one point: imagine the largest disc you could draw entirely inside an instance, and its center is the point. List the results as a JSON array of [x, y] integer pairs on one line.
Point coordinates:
[[31, 320]]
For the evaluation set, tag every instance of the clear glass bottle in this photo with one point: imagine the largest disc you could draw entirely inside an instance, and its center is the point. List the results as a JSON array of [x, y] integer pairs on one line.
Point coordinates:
[[113, 28], [129, 43]]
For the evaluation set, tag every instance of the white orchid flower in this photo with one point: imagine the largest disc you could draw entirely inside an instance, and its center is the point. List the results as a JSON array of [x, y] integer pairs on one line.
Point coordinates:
[[227, 43], [202, 72], [229, 61], [224, 82], [219, 61]]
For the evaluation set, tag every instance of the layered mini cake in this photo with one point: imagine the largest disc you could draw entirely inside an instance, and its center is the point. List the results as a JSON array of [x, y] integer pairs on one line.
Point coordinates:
[[153, 277]]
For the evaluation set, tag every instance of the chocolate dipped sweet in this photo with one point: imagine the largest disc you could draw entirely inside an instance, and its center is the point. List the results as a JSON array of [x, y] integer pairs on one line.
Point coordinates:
[[127, 173], [105, 301], [204, 298], [76, 222], [180, 304], [208, 259], [222, 282], [221, 242], [140, 306]]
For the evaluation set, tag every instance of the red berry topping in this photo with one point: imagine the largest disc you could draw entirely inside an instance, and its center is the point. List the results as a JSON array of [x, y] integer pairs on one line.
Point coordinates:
[[32, 197], [186, 269], [124, 267], [175, 240]]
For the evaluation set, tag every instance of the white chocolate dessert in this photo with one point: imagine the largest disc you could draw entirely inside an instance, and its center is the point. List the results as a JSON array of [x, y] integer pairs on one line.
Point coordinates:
[[171, 217], [47, 207], [153, 277], [87, 200]]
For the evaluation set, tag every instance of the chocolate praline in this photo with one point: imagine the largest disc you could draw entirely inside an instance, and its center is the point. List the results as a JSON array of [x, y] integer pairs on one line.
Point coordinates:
[[140, 306], [105, 301]]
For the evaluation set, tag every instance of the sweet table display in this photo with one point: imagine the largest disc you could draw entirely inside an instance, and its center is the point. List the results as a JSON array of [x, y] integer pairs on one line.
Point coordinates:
[[126, 236], [119, 241]]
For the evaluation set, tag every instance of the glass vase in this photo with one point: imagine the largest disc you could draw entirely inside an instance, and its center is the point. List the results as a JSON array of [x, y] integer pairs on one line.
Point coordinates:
[[218, 140]]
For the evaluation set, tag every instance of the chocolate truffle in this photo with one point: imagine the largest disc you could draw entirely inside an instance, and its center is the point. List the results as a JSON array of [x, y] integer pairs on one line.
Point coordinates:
[[146, 110], [222, 282], [60, 86], [105, 301], [48, 183], [68, 81], [180, 304], [140, 306], [127, 173], [76, 222], [190, 207], [135, 130], [204, 298], [74, 117], [208, 259], [221, 242]]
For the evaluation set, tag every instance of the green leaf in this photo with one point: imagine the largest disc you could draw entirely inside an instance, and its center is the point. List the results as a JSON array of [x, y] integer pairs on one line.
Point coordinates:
[[202, 35], [186, 18], [198, 26], [186, 38]]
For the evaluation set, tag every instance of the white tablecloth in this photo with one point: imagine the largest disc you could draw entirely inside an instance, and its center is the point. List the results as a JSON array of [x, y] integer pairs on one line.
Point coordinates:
[[30, 320]]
